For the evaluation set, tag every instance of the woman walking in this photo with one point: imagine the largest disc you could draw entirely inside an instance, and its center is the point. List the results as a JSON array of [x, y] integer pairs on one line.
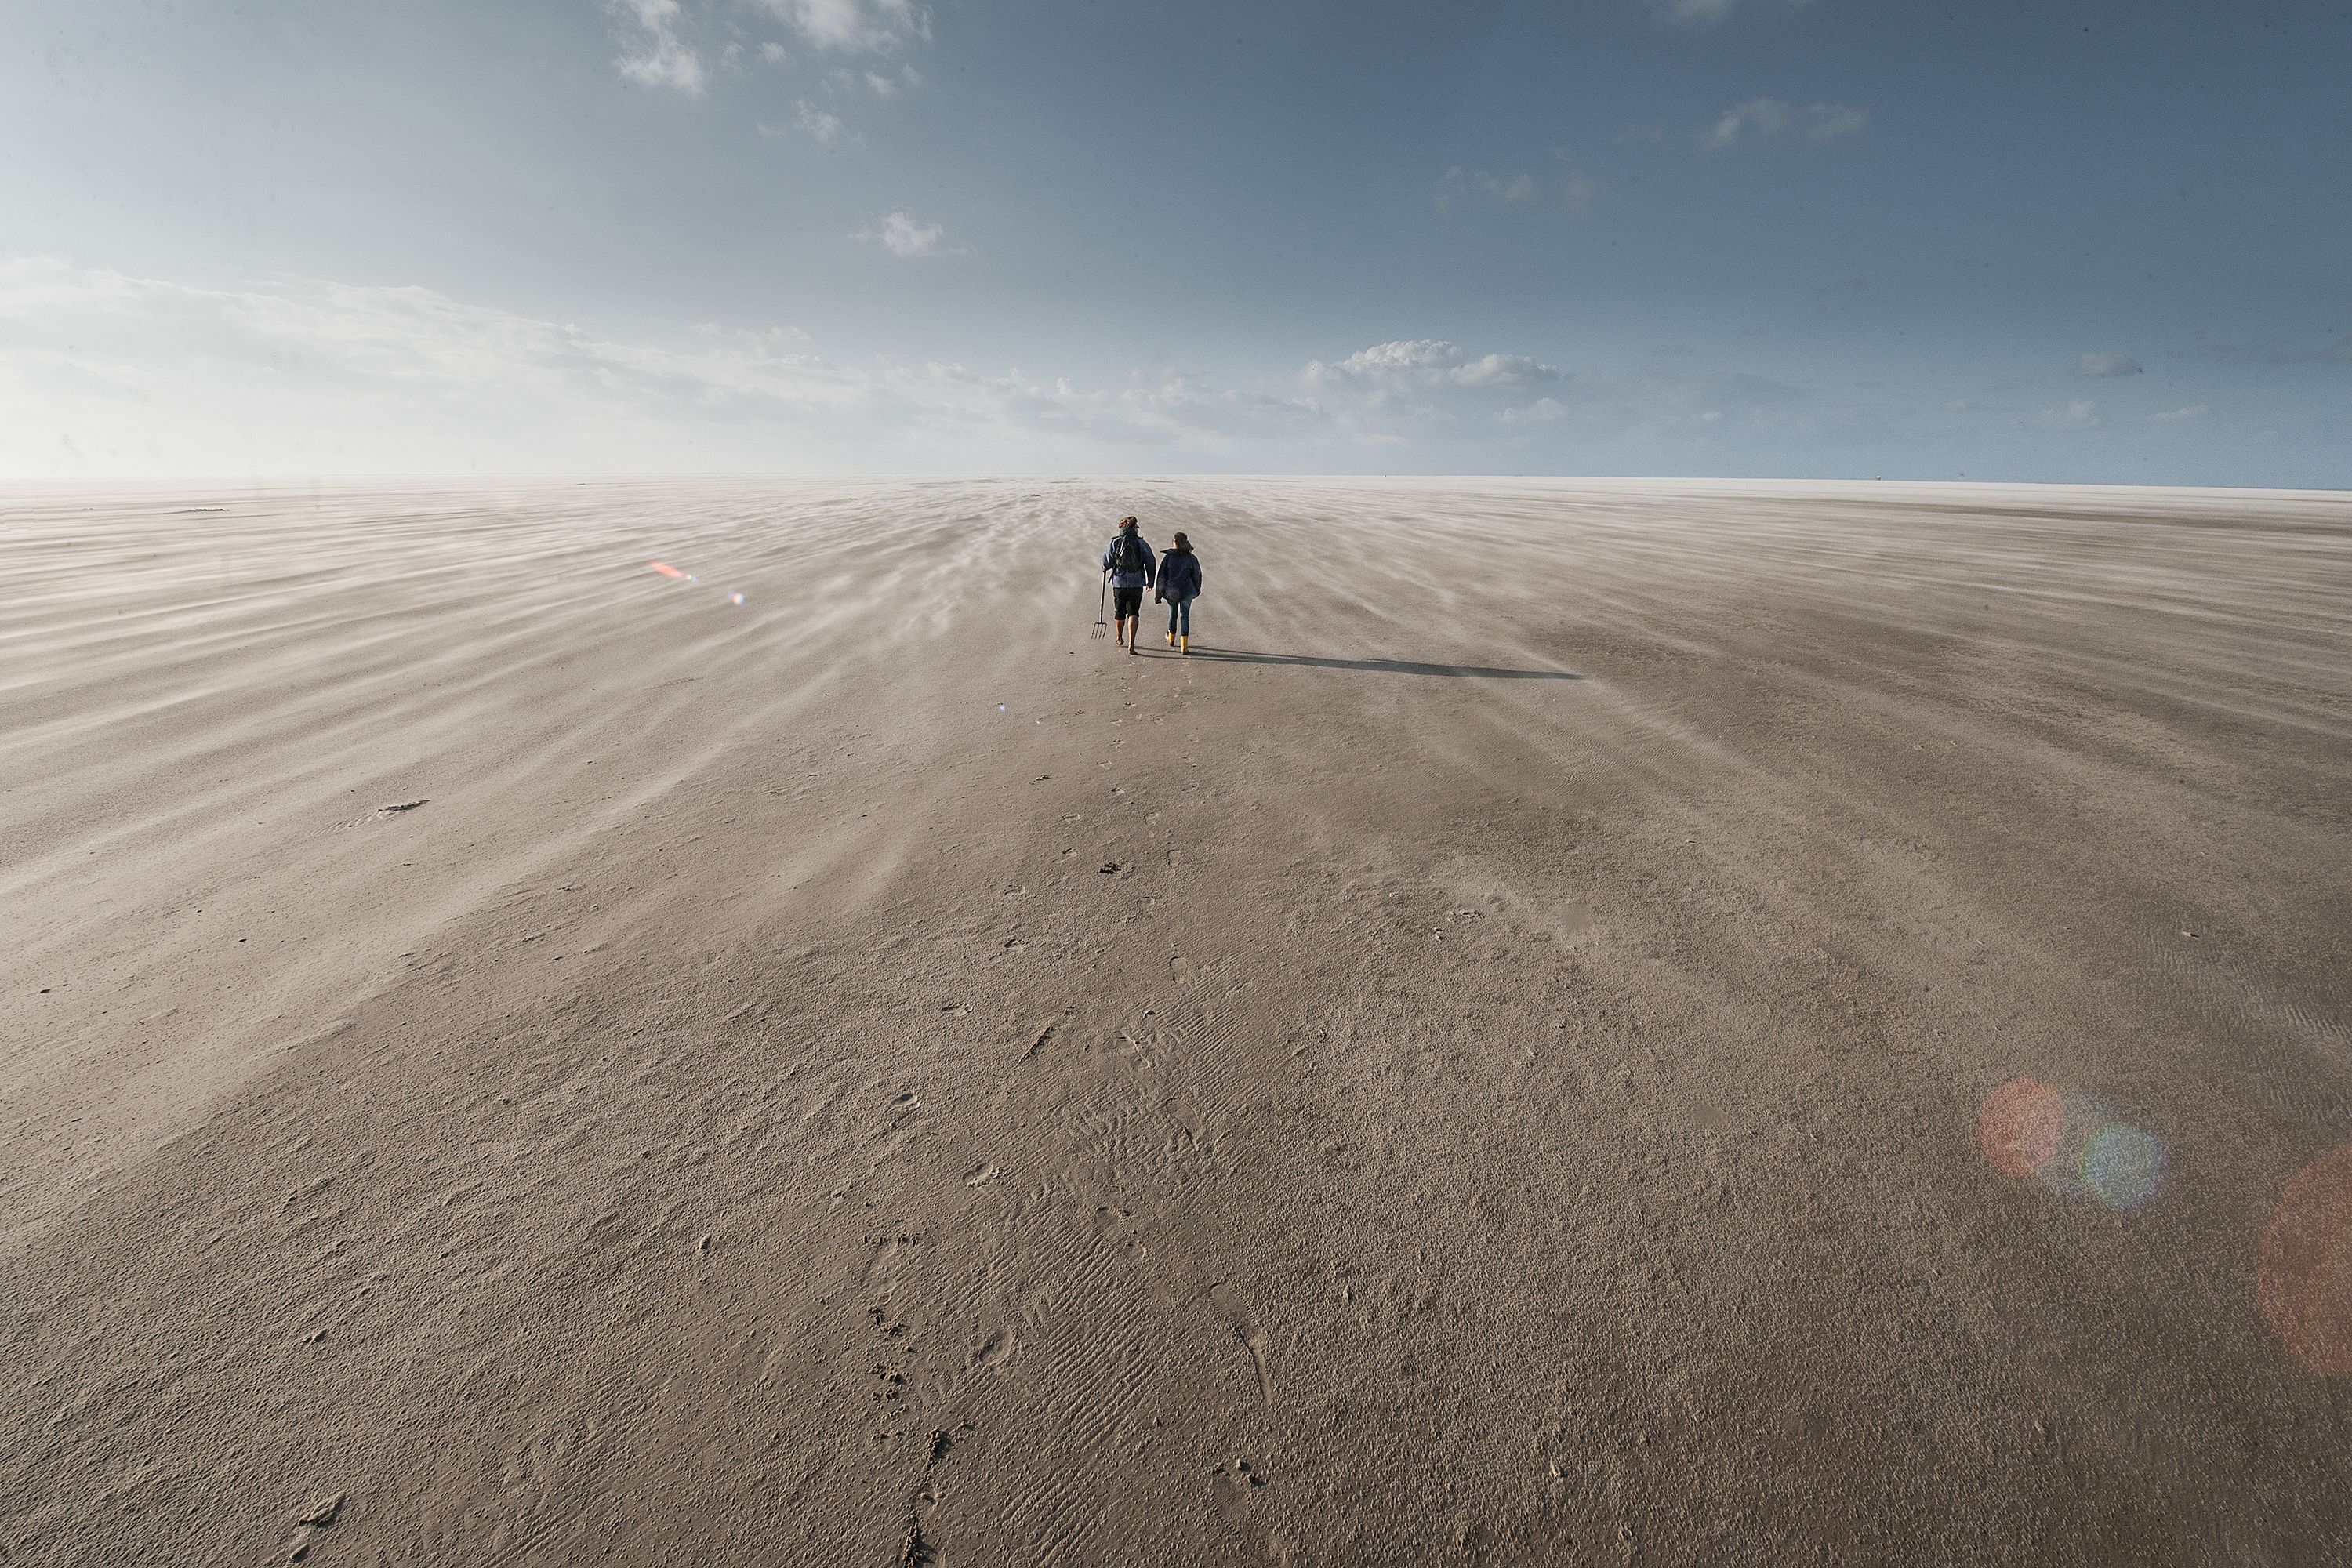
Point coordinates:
[[1179, 585]]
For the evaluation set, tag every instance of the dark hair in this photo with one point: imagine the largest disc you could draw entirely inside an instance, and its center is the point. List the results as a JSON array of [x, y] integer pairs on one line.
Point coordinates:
[[1126, 522], [1182, 542]]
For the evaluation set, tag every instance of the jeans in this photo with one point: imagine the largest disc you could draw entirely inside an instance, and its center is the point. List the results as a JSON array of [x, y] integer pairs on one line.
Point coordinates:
[[1179, 617]]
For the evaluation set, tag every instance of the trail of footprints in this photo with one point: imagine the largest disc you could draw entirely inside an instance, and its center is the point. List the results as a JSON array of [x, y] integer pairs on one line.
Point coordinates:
[[1140, 1101], [896, 1353]]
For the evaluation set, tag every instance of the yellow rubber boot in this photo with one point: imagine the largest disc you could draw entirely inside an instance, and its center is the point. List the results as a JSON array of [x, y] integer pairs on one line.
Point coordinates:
[[1184, 645], [1172, 640]]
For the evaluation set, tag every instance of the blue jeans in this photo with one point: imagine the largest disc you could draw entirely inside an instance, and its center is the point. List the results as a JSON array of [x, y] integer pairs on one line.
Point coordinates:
[[1179, 617]]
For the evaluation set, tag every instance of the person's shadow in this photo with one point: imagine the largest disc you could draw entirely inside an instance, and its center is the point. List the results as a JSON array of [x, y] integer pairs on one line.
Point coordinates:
[[1381, 666]]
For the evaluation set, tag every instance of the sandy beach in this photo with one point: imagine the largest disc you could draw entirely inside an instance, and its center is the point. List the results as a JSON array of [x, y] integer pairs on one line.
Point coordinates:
[[1633, 1022]]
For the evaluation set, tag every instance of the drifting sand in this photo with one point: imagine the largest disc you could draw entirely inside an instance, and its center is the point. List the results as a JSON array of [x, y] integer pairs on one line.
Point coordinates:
[[512, 1056]]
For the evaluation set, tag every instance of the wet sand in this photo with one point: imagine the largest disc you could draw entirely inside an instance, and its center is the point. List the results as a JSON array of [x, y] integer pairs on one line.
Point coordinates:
[[1510, 1053]]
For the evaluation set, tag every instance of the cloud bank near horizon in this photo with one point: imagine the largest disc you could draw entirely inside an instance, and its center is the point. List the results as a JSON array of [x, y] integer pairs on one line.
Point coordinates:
[[103, 373], [107, 373]]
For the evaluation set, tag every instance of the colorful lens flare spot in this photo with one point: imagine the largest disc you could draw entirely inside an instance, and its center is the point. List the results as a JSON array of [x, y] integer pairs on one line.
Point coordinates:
[[2302, 1275], [2020, 1126], [2122, 1165], [2071, 1142], [666, 570]]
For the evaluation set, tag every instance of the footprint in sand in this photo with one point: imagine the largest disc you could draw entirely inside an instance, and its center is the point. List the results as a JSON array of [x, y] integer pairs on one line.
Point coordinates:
[[1229, 1488], [1228, 1302], [980, 1175]]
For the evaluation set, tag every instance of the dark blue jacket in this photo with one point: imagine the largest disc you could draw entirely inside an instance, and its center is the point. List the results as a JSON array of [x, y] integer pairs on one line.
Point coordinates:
[[1180, 575], [1118, 579]]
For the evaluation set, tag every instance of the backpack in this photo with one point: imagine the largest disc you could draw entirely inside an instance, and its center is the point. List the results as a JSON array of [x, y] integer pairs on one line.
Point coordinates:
[[1130, 555]]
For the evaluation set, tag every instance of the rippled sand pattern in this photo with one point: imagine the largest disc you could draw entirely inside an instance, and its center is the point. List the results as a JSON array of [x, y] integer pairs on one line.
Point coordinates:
[[1627, 1023]]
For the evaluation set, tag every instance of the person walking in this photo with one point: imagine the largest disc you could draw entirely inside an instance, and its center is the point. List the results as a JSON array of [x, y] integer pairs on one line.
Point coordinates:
[[1179, 585], [1128, 563]]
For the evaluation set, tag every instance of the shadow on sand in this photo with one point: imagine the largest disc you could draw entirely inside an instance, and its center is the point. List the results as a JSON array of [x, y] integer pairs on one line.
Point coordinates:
[[1379, 666]]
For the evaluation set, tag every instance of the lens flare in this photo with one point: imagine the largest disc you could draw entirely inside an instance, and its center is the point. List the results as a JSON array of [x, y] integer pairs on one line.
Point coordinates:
[[2302, 1275], [2020, 1126], [2071, 1142], [2122, 1167], [2085, 1118], [734, 596]]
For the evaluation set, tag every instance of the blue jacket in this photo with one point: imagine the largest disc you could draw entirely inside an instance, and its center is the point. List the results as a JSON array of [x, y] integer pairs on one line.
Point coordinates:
[[1139, 579], [1180, 575]]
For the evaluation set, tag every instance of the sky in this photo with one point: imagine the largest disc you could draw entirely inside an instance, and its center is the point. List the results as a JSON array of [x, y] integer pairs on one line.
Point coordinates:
[[2100, 242]]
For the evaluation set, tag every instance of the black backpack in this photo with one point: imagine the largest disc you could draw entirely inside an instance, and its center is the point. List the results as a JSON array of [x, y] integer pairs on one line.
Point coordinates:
[[1129, 556]]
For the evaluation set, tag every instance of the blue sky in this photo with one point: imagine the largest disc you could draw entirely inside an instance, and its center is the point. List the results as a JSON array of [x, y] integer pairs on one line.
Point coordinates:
[[1736, 237]]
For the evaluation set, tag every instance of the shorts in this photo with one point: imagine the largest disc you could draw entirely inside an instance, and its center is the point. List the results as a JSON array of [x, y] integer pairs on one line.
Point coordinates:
[[1126, 602]]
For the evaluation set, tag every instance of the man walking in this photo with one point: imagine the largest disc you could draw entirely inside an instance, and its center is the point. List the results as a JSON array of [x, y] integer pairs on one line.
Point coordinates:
[[1127, 562]]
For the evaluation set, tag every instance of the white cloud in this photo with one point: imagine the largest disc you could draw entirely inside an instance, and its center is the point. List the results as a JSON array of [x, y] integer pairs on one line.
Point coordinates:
[[1759, 118], [902, 235], [1429, 388], [2179, 416], [841, 78], [2106, 365], [102, 373], [656, 50], [1828, 121], [823, 124], [653, 55], [2080, 413], [1701, 11], [1572, 191], [773, 336], [853, 26], [1418, 387], [1463, 182], [1424, 364]]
